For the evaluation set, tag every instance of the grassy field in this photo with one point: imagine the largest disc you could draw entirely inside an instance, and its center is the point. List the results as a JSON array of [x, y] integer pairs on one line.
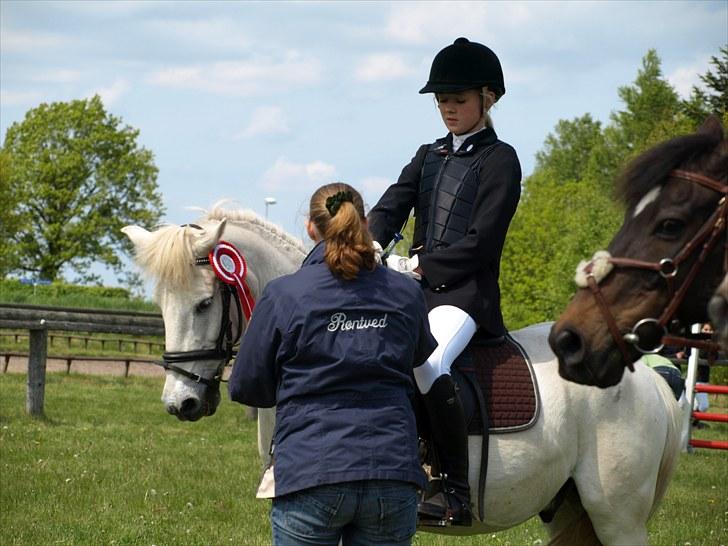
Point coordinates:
[[108, 466], [61, 294]]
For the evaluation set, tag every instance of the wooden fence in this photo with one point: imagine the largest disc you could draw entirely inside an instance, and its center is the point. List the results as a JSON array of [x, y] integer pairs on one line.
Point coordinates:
[[38, 320], [86, 340]]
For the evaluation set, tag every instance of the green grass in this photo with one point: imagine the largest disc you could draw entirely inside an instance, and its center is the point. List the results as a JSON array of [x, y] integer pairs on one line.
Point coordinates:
[[108, 466], [60, 294]]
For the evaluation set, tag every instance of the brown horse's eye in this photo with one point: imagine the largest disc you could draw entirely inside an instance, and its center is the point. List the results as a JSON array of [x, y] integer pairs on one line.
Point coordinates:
[[670, 229], [203, 305]]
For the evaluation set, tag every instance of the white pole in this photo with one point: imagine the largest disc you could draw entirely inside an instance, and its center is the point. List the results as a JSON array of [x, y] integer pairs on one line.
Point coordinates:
[[690, 393], [269, 201]]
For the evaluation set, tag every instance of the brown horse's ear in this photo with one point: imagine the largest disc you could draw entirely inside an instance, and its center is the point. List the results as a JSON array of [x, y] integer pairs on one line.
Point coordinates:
[[711, 126]]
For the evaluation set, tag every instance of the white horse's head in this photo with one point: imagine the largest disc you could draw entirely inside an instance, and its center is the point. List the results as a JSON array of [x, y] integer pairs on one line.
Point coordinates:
[[201, 317]]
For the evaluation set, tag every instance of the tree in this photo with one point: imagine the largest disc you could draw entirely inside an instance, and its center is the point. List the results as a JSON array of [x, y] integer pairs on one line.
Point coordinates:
[[567, 211], [714, 99], [566, 152], [79, 176], [10, 220]]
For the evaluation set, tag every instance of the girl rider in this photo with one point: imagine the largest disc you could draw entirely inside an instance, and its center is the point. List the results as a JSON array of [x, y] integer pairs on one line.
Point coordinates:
[[464, 189]]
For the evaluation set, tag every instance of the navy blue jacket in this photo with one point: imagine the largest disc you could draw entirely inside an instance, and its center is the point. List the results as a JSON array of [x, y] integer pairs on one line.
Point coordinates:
[[336, 357], [465, 273]]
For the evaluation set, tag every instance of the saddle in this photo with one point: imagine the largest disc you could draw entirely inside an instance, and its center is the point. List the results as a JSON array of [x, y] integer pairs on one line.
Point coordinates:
[[499, 393]]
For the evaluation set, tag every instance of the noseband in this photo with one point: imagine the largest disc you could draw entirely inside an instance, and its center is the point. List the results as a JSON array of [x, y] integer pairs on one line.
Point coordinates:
[[230, 269], [667, 268]]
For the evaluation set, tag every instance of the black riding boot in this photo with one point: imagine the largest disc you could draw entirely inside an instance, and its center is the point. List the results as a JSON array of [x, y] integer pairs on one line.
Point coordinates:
[[450, 436]]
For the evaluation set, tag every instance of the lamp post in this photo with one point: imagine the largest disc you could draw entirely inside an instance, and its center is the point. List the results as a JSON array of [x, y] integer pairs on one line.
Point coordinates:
[[269, 201]]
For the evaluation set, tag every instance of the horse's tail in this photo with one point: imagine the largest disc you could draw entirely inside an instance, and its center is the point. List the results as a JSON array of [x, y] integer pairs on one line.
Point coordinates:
[[671, 451]]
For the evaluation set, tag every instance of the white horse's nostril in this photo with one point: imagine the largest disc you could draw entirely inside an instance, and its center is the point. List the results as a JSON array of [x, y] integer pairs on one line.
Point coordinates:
[[190, 408]]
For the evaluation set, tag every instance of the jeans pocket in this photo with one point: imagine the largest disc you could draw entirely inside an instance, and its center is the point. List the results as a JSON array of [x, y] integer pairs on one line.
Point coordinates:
[[308, 513], [398, 517]]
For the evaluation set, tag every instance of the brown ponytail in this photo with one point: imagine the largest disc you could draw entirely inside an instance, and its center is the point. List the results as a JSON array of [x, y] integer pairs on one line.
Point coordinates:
[[337, 211]]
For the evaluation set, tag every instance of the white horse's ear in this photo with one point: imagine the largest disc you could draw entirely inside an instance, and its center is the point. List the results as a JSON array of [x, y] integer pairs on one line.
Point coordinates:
[[137, 234], [208, 239], [219, 230]]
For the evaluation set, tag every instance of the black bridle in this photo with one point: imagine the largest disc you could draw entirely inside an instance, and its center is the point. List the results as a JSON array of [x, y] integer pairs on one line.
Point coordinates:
[[702, 243], [223, 349]]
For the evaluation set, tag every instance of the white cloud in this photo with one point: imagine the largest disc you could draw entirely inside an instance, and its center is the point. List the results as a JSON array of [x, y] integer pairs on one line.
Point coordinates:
[[266, 121], [12, 41], [422, 22], [375, 184], [241, 78], [684, 78], [213, 33], [19, 98], [285, 174], [57, 75], [383, 66], [110, 94]]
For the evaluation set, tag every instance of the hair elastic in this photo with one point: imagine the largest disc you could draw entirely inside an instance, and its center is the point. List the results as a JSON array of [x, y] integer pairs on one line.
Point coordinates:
[[333, 203]]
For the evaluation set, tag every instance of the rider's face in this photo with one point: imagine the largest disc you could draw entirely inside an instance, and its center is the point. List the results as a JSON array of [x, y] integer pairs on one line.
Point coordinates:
[[461, 112]]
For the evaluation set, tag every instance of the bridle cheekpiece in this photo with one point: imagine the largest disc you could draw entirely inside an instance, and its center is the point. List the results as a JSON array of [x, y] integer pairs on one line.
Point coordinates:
[[231, 269]]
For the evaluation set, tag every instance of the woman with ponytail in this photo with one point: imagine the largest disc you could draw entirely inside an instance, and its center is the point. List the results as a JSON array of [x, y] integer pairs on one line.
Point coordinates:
[[334, 346]]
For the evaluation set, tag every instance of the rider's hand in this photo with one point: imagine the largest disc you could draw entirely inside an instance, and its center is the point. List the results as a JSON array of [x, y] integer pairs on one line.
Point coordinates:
[[378, 251], [406, 266]]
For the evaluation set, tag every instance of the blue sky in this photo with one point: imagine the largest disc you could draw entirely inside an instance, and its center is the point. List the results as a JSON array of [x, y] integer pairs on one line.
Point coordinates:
[[246, 100]]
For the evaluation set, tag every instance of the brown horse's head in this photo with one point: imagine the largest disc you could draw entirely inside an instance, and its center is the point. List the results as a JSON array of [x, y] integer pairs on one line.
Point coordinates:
[[664, 263]]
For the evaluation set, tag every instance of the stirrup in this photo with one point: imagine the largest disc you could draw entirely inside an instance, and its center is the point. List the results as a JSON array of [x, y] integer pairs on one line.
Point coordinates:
[[443, 514]]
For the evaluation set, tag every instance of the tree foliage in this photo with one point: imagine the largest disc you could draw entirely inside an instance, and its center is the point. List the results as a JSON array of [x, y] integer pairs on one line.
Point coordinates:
[[10, 220], [78, 176], [567, 211], [714, 99]]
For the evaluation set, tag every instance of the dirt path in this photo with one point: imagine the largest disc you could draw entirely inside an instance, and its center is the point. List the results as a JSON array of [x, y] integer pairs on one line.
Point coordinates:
[[88, 366]]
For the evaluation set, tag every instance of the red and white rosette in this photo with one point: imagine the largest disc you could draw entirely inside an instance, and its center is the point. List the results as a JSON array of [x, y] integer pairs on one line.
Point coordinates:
[[229, 265]]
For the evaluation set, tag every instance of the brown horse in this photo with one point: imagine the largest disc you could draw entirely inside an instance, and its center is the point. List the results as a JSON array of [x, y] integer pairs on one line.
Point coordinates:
[[661, 268]]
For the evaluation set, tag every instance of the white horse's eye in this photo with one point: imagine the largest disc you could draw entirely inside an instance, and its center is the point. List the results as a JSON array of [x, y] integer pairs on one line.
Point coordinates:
[[203, 305]]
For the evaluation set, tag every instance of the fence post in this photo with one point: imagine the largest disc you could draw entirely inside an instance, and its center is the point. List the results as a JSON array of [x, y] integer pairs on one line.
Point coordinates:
[[38, 350]]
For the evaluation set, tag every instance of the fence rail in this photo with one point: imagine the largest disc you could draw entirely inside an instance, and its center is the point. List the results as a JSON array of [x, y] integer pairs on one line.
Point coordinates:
[[38, 320], [134, 342]]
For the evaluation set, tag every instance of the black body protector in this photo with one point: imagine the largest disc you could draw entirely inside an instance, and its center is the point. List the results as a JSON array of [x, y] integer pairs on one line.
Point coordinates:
[[448, 187]]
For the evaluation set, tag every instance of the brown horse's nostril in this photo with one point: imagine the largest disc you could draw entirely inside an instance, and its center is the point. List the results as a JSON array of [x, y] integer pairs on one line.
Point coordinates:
[[568, 345]]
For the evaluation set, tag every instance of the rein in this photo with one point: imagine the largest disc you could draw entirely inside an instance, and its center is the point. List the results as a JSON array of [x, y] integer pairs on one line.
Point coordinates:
[[230, 269], [667, 268]]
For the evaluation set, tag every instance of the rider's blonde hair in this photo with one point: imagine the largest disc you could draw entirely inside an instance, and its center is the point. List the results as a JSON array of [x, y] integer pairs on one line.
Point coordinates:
[[342, 225]]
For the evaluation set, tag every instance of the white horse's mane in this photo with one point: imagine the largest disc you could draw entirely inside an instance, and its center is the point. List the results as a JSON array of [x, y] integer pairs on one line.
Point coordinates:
[[169, 253], [264, 227]]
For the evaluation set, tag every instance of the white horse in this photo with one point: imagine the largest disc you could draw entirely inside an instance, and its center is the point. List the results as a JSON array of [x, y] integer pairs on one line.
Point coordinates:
[[718, 311], [601, 459]]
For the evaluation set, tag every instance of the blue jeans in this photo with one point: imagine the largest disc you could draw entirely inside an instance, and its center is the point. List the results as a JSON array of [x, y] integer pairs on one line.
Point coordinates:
[[363, 513]]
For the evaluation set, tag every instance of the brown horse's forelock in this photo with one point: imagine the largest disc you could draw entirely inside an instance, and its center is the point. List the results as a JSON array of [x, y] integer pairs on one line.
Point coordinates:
[[690, 152]]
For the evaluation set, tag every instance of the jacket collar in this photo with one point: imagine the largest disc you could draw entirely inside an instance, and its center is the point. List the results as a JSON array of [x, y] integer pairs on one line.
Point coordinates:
[[316, 256], [482, 138]]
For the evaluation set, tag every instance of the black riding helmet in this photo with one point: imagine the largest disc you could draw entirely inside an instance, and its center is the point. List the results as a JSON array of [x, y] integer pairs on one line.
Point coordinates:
[[465, 65]]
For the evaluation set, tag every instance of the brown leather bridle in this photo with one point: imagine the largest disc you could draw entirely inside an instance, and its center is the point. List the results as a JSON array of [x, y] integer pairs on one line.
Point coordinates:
[[707, 237]]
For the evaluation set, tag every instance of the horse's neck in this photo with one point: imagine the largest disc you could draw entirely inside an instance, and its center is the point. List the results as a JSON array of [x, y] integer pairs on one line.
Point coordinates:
[[534, 341], [268, 252]]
